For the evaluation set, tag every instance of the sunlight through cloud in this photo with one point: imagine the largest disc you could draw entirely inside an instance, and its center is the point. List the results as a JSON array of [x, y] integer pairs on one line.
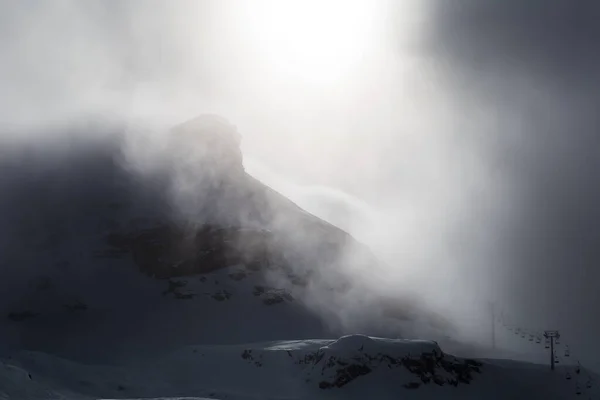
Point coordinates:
[[314, 41]]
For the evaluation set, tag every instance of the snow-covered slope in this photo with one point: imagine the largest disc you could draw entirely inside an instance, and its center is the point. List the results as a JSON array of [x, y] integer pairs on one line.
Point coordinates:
[[185, 276], [352, 367]]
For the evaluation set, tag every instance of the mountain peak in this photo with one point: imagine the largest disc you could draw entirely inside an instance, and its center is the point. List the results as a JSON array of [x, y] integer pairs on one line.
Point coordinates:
[[210, 138]]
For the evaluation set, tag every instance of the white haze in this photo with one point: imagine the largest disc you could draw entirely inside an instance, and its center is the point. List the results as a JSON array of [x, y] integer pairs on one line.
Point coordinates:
[[378, 144]]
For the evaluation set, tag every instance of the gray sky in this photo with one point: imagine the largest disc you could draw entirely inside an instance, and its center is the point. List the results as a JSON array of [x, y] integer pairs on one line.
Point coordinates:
[[537, 64], [463, 139]]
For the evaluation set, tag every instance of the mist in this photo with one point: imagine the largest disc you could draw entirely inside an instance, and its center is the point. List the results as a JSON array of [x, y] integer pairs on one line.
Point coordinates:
[[457, 140]]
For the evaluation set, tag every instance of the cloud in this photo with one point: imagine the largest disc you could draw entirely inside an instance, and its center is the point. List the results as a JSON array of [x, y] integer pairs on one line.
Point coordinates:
[[470, 133]]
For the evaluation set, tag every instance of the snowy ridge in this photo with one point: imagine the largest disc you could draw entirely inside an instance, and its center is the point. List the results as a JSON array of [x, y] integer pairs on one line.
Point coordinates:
[[352, 367]]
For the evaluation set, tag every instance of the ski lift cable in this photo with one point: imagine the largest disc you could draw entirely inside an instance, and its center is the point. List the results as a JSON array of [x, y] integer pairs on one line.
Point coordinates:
[[562, 355], [573, 373], [524, 332], [579, 378], [537, 335], [579, 367], [579, 387]]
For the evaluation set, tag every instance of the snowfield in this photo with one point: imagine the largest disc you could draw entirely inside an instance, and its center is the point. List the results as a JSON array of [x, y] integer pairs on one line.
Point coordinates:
[[352, 367], [114, 286]]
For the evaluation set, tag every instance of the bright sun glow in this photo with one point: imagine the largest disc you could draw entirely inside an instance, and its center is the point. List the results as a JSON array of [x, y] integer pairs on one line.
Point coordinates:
[[315, 41]]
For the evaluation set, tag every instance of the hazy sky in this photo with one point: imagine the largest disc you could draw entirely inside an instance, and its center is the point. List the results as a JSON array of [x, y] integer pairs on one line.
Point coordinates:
[[537, 64], [461, 134]]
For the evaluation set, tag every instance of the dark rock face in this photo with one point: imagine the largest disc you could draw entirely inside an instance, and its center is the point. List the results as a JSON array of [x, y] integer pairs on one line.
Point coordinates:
[[169, 251], [338, 369], [224, 212], [271, 296], [21, 316], [427, 367], [346, 375], [223, 216]]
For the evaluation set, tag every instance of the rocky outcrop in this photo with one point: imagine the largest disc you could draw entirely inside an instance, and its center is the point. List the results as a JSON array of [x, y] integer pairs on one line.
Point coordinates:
[[271, 296], [169, 251], [221, 216], [351, 357]]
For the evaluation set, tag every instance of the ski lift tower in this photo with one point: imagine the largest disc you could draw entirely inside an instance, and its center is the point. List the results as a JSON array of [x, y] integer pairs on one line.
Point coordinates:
[[551, 335], [493, 315]]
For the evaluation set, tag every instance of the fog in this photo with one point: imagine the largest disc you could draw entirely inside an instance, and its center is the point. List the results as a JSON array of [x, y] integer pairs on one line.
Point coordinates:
[[456, 139]]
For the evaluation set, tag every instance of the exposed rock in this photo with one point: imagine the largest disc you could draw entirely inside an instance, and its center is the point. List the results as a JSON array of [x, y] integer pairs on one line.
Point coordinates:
[[272, 296], [169, 251], [258, 290], [348, 374], [221, 295], [276, 297], [21, 316], [340, 365], [297, 280], [247, 354], [175, 289], [174, 286]]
